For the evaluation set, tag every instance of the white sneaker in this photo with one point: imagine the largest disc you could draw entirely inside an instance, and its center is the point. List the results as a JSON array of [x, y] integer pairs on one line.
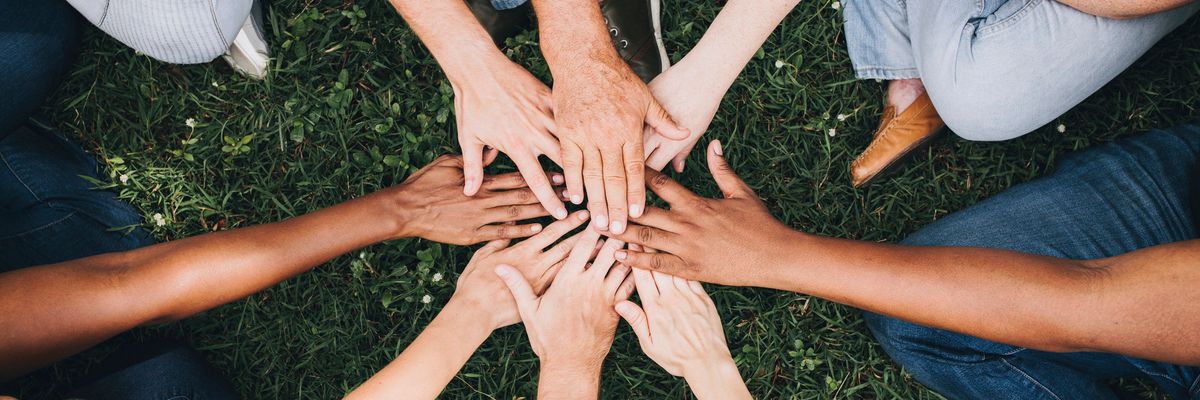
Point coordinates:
[[248, 54]]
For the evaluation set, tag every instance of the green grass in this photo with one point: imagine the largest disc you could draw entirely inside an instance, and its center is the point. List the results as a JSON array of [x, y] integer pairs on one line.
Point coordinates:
[[349, 90]]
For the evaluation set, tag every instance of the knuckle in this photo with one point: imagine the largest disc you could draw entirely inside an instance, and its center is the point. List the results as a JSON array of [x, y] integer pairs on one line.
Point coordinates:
[[512, 211], [659, 180], [657, 263], [524, 195], [645, 235]]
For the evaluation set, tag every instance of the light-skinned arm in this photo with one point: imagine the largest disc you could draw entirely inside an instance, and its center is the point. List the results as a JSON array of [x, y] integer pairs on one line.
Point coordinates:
[[50, 312], [571, 326], [497, 103], [692, 89], [481, 304], [678, 327], [1140, 304], [600, 110], [1125, 9]]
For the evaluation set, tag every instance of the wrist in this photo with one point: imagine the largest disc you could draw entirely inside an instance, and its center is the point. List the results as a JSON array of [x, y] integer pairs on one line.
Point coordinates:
[[472, 63], [397, 216], [471, 317], [716, 380]]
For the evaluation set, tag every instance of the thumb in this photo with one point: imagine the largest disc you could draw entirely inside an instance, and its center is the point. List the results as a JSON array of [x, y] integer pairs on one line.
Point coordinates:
[[658, 118], [516, 283], [636, 319], [731, 185], [472, 167]]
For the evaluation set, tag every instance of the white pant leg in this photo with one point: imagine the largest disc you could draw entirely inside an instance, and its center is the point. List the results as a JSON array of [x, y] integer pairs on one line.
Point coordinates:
[[174, 31]]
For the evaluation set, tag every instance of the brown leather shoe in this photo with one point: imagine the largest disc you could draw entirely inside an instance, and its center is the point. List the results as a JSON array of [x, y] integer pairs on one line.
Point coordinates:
[[896, 137]]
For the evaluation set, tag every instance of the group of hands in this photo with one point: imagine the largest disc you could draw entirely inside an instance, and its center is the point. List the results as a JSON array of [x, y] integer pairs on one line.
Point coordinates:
[[569, 290]]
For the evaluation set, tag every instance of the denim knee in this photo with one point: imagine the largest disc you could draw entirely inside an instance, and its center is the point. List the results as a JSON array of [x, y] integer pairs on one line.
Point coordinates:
[[990, 117]]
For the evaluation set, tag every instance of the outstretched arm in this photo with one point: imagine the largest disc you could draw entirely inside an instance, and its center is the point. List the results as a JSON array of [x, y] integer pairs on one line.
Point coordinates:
[[1125, 9], [692, 89], [53, 311], [1139, 304]]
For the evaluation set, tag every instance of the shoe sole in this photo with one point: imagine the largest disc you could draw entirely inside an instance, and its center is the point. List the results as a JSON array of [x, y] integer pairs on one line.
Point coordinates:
[[656, 14]]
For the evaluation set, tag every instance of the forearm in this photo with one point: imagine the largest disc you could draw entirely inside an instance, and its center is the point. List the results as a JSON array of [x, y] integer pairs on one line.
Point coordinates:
[[718, 380], [53, 311], [432, 360], [737, 33], [569, 380], [455, 38], [574, 38], [1124, 9], [1136, 304]]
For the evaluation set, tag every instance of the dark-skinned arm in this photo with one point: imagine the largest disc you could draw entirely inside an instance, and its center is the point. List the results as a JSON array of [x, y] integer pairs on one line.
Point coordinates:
[[1140, 304], [52, 311]]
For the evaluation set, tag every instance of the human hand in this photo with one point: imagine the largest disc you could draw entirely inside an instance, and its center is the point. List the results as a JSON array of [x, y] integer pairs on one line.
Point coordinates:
[[693, 106], [506, 108], [724, 241], [432, 206], [600, 110], [480, 289], [571, 325], [678, 327]]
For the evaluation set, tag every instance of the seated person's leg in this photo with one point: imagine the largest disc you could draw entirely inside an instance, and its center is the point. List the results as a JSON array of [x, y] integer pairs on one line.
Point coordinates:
[[50, 212], [38, 42], [1000, 69], [1109, 200], [156, 370]]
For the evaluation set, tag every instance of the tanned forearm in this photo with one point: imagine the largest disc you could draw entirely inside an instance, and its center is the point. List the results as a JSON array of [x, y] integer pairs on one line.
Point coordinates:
[[574, 38], [459, 43], [734, 37], [53, 311], [433, 359], [568, 380], [1124, 9], [1140, 304]]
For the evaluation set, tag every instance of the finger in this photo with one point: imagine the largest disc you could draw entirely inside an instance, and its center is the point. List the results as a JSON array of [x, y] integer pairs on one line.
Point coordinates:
[[649, 237], [546, 277], [492, 247], [605, 259], [509, 181], [593, 181], [615, 188], [540, 184], [635, 181], [489, 155], [559, 252], [472, 167], [697, 288], [731, 185], [512, 197], [681, 158], [572, 164], [666, 286], [626, 288], [556, 230], [658, 118], [659, 218], [578, 258], [519, 212], [658, 159], [615, 277], [667, 188], [661, 262], [548, 145], [520, 289], [646, 288], [636, 318], [681, 285], [506, 231], [677, 164]]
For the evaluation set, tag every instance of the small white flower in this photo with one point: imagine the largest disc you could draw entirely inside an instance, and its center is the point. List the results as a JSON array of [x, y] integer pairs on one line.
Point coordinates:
[[1061, 128], [842, 117], [124, 179], [426, 299], [832, 132], [779, 64], [159, 220], [191, 123], [216, 85], [437, 277], [836, 5]]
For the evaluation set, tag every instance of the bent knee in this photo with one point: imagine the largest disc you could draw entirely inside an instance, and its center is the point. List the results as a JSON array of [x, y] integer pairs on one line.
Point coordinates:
[[988, 118]]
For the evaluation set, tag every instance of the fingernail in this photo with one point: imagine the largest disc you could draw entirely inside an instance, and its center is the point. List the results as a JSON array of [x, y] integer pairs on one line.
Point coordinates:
[[583, 215], [635, 210], [618, 227], [565, 195], [577, 199], [717, 149], [621, 255], [602, 222], [560, 213], [536, 228], [557, 179]]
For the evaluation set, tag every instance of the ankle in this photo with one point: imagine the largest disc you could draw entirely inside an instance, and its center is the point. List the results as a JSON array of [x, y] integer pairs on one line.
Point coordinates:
[[902, 93]]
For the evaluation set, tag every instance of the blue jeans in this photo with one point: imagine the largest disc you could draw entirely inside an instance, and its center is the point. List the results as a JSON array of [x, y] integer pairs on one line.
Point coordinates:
[[1109, 200], [998, 69], [507, 4], [37, 44]]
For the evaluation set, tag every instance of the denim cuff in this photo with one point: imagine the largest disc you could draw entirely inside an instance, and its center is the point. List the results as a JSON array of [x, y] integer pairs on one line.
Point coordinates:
[[507, 4], [888, 74]]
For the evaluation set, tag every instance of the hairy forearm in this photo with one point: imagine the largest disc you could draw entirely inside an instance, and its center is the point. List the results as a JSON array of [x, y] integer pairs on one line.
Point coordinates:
[[574, 39], [1137, 304], [455, 38], [52, 311], [568, 380], [737, 33], [433, 359], [1124, 9]]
